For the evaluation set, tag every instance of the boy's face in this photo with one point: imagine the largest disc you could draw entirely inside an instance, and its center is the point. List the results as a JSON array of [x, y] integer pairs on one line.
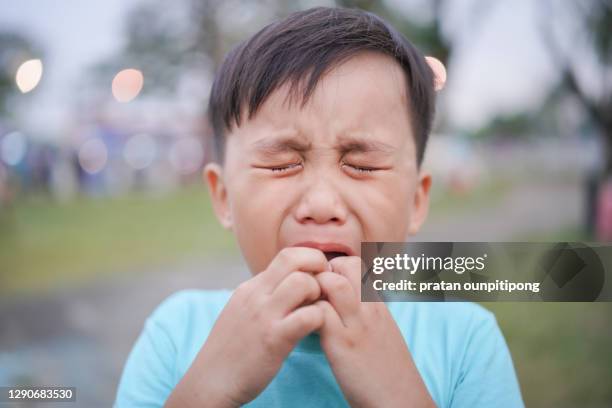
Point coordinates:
[[297, 176]]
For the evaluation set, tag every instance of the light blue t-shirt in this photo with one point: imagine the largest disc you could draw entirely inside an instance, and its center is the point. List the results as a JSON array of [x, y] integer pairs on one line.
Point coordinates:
[[457, 347]]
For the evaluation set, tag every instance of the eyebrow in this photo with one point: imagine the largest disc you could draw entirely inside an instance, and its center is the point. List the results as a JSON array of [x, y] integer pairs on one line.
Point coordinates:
[[356, 144], [281, 145], [345, 144]]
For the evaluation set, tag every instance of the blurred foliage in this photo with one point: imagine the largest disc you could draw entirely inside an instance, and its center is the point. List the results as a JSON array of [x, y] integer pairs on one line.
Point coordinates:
[[163, 45], [595, 20], [427, 36], [508, 126]]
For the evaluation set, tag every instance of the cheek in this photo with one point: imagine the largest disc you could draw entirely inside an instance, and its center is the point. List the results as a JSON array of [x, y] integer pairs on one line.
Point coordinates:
[[384, 209], [258, 209], [257, 199]]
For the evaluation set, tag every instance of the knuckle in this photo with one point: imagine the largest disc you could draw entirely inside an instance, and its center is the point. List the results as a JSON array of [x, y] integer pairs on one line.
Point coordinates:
[[243, 288], [259, 302], [319, 316], [242, 294], [309, 318], [322, 305], [308, 283], [269, 339], [314, 287], [325, 277], [300, 278], [338, 284], [302, 319]]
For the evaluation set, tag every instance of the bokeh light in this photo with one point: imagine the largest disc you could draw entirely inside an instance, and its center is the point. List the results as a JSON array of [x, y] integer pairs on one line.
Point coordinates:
[[127, 84], [28, 75], [13, 148], [439, 72], [140, 151], [93, 155]]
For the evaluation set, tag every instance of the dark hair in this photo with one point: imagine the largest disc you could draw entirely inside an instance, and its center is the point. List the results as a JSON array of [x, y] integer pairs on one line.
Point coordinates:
[[300, 49]]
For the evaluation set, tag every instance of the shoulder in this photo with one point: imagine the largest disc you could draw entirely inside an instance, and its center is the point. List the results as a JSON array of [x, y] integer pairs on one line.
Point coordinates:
[[449, 332], [461, 316], [157, 359], [462, 327], [185, 319], [482, 372], [188, 309], [188, 302], [460, 352]]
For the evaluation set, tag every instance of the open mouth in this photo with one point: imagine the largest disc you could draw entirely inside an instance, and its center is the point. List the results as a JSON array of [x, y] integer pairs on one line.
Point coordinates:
[[333, 254], [330, 249]]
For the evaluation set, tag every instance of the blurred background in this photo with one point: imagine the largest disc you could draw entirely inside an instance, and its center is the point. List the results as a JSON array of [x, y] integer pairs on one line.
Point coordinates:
[[103, 212]]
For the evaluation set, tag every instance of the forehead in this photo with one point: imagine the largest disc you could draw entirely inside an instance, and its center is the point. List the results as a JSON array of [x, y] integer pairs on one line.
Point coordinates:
[[364, 95]]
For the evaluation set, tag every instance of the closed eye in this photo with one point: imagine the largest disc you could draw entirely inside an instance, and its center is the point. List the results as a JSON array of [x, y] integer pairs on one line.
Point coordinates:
[[282, 168], [360, 169], [286, 167]]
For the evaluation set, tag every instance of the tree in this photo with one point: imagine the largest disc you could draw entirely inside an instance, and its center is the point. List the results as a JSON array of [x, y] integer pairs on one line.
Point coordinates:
[[593, 35], [14, 50], [165, 43], [427, 36]]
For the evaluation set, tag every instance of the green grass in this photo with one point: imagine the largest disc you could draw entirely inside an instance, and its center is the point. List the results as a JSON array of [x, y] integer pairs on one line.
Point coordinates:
[[562, 351], [571, 233], [45, 244], [444, 201]]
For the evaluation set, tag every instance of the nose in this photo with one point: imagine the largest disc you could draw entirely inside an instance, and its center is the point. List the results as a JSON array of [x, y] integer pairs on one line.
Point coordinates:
[[321, 203]]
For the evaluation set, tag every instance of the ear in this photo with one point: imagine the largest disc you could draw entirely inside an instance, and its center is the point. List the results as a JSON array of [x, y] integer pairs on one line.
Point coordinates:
[[213, 177], [420, 207]]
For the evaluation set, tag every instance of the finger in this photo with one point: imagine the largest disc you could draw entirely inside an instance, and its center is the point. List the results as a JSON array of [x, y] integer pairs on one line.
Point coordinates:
[[331, 320], [339, 294], [301, 322], [298, 287], [293, 259], [349, 267]]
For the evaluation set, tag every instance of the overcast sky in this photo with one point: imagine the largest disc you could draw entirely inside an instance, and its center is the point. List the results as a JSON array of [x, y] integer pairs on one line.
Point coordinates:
[[499, 64]]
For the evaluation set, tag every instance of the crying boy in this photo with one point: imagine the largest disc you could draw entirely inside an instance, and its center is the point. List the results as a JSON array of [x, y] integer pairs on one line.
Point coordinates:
[[320, 125]]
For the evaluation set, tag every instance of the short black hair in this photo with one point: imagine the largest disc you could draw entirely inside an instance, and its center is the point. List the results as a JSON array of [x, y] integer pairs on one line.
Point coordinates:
[[299, 50]]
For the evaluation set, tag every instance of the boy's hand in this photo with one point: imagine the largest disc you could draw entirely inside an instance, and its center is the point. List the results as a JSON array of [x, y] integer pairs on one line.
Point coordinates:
[[363, 344], [257, 329]]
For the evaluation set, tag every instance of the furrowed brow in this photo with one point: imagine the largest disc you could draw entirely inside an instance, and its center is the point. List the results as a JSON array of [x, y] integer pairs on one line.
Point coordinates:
[[362, 145], [270, 147]]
